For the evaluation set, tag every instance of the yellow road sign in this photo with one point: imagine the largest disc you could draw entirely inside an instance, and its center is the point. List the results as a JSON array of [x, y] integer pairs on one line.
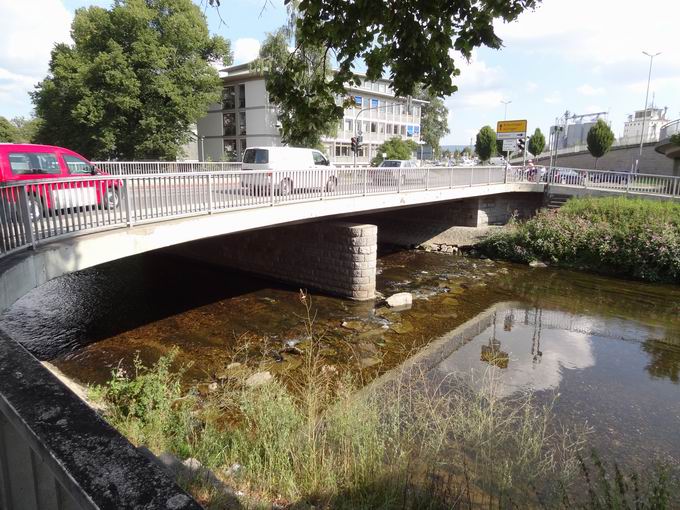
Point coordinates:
[[511, 126]]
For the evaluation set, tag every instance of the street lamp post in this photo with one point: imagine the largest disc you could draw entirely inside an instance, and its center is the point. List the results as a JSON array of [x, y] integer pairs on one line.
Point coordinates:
[[505, 113], [644, 113]]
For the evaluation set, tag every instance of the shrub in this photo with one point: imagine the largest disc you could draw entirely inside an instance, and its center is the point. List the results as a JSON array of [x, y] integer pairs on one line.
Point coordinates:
[[626, 237]]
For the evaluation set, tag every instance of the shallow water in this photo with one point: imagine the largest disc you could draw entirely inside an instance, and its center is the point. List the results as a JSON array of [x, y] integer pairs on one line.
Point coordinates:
[[609, 348]]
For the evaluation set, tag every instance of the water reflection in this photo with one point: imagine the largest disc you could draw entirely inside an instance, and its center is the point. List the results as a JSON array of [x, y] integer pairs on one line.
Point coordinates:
[[664, 360], [532, 358]]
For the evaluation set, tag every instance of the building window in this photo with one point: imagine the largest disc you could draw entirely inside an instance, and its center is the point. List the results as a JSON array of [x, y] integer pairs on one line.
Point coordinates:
[[229, 124], [230, 150], [242, 95], [348, 125], [381, 128], [242, 123], [403, 130], [416, 129], [358, 100], [409, 131], [244, 145], [416, 111], [374, 103], [374, 127], [229, 98]]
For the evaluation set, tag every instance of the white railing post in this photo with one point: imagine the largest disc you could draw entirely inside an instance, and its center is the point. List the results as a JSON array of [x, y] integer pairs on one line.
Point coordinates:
[[427, 179], [210, 192], [127, 199], [451, 178], [488, 175], [472, 171], [26, 216], [505, 175], [365, 179], [271, 187], [399, 181]]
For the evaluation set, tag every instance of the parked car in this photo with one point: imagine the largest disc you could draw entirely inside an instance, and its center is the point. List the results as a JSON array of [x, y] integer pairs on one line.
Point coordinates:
[[391, 171], [564, 176], [45, 167], [288, 163]]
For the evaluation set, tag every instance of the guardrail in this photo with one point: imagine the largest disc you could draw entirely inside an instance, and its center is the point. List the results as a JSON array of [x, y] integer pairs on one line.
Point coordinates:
[[33, 212], [164, 167], [670, 129], [621, 182]]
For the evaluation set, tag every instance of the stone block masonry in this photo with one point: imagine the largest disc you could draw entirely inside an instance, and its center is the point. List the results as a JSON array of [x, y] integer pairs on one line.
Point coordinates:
[[333, 257]]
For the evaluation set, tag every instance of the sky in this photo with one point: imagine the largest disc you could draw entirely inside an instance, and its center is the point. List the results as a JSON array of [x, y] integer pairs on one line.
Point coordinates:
[[583, 56]]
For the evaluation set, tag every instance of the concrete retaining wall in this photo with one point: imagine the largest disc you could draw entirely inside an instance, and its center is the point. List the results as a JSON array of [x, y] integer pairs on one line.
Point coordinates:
[[451, 223], [618, 159], [334, 257]]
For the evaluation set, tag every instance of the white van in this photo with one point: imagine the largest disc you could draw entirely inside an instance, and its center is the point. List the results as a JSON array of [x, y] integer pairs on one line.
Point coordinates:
[[289, 167]]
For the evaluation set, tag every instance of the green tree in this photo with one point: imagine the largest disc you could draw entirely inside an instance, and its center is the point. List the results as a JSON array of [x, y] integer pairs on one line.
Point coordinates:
[[8, 131], [312, 111], [675, 139], [600, 139], [412, 43], [536, 142], [395, 148], [485, 143], [434, 120], [136, 78], [447, 154], [27, 128]]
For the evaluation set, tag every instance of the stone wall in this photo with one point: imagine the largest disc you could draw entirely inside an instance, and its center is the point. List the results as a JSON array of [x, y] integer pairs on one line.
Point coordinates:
[[456, 223], [334, 257]]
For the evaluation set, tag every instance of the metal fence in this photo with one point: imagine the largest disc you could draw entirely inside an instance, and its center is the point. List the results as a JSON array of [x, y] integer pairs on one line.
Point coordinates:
[[670, 129], [32, 212], [164, 167]]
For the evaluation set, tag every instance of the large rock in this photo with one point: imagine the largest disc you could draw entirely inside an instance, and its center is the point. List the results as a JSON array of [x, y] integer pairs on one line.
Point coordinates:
[[402, 299], [259, 379]]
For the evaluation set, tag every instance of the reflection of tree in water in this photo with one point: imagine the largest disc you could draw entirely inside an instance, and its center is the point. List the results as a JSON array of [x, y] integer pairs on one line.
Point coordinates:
[[492, 353], [536, 338], [664, 359]]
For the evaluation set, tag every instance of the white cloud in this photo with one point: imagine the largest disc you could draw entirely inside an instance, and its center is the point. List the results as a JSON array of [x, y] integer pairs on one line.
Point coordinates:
[[588, 90], [27, 38], [246, 50], [605, 32], [531, 86], [553, 98]]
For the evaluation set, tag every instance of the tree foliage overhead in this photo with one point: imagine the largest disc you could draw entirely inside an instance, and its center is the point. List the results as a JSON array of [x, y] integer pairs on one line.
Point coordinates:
[[536, 142], [311, 110], [600, 139], [395, 148], [411, 39], [485, 143], [136, 78]]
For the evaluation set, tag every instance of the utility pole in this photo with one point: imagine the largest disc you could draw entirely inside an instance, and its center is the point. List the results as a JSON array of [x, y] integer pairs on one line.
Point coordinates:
[[644, 113], [505, 113]]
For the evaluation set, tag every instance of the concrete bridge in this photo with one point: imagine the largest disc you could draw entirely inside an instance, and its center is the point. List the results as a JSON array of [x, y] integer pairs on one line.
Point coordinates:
[[314, 228]]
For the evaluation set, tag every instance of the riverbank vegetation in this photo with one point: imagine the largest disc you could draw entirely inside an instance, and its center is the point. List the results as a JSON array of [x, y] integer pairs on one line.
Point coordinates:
[[408, 442], [634, 238]]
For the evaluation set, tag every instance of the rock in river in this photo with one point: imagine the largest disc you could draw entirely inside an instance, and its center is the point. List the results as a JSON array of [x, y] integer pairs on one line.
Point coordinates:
[[259, 379], [402, 299]]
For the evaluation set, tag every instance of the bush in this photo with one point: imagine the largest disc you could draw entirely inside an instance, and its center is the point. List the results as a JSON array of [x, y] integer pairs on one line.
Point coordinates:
[[625, 237]]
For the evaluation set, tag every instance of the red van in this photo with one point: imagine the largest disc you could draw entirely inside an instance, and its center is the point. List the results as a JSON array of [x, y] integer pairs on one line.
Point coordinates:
[[51, 166]]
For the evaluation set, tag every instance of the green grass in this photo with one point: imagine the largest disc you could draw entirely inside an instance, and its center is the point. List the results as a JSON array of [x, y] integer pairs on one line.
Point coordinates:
[[634, 238]]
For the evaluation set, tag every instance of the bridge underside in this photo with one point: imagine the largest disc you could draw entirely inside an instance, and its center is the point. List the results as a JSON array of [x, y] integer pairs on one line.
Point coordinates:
[[23, 271]]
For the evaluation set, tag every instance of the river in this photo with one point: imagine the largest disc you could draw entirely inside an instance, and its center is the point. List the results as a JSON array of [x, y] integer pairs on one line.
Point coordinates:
[[608, 349]]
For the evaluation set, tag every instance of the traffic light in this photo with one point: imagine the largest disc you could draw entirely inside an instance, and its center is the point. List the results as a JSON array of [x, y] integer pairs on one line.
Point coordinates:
[[520, 144], [355, 145], [360, 139]]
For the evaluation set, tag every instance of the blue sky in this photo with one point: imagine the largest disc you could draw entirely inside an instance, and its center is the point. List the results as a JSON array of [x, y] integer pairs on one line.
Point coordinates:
[[577, 55]]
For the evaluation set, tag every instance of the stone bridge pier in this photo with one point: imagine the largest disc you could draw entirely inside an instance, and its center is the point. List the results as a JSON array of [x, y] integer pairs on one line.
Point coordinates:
[[334, 257]]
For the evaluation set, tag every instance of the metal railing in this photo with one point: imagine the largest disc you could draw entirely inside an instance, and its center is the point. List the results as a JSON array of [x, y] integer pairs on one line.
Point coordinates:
[[33, 212], [164, 167], [670, 129], [616, 182]]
